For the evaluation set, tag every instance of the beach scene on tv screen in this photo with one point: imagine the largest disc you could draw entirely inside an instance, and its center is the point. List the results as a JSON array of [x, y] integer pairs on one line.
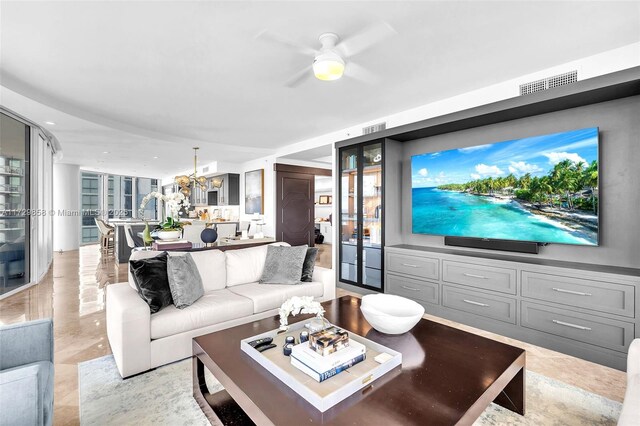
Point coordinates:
[[542, 189]]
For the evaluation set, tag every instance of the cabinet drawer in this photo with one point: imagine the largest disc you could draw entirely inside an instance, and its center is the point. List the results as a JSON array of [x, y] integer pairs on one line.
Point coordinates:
[[490, 306], [423, 267], [582, 293], [373, 257], [372, 277], [348, 272], [603, 332], [486, 277], [349, 253], [424, 291]]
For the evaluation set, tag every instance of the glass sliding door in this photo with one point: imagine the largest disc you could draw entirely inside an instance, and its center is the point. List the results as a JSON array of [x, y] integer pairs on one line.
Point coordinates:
[[14, 204], [361, 215]]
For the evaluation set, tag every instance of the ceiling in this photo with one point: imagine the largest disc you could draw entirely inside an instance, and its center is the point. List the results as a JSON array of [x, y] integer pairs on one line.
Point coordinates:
[[139, 80]]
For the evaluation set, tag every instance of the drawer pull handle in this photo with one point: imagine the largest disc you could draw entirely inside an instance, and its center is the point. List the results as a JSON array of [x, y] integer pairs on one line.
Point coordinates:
[[410, 288], [482, 277], [410, 265], [577, 293], [471, 302], [568, 324]]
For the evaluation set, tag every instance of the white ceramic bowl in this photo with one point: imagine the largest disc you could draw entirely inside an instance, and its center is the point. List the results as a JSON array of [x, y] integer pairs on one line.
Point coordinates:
[[391, 314]]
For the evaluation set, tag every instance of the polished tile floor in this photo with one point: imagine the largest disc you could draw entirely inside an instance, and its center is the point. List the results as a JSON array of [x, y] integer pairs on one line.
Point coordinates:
[[73, 294]]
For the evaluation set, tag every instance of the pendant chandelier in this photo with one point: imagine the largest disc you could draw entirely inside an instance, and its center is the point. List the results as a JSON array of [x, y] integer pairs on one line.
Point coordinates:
[[187, 183]]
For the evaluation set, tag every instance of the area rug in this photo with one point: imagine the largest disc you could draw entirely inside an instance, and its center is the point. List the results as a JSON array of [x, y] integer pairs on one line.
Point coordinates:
[[164, 397]]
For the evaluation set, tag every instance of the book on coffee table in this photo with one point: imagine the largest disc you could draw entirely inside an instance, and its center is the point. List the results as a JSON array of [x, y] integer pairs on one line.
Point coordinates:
[[319, 363], [321, 376]]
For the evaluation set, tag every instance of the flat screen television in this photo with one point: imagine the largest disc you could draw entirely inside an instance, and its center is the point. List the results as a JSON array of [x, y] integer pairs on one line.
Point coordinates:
[[541, 189]]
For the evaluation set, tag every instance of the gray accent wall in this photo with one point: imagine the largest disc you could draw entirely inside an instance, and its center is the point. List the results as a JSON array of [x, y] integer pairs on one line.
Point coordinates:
[[619, 124]]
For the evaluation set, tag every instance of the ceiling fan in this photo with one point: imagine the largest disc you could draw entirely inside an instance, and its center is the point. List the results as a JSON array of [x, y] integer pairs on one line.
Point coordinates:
[[333, 59]]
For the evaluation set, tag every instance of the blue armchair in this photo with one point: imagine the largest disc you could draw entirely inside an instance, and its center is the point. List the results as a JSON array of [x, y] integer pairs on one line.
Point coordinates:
[[26, 373]]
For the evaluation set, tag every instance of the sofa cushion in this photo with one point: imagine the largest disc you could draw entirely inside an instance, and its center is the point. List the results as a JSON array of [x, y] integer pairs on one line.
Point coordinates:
[[245, 265], [212, 308], [283, 265], [25, 396], [631, 407], [265, 297], [212, 267], [184, 280], [309, 264], [152, 282]]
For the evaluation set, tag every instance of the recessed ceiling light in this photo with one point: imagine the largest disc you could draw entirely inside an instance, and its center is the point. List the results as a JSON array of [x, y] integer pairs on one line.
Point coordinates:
[[105, 152], [155, 158], [50, 123]]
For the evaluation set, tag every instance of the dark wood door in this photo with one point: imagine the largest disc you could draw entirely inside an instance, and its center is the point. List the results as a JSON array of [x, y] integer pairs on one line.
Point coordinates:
[[295, 208]]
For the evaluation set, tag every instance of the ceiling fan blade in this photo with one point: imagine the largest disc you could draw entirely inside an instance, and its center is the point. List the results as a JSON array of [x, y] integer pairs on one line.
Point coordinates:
[[359, 72], [299, 77], [271, 37], [366, 38]]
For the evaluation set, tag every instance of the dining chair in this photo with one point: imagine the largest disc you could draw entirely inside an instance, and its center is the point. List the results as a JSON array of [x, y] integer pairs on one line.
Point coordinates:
[[192, 232], [226, 230], [107, 237], [134, 242], [244, 226]]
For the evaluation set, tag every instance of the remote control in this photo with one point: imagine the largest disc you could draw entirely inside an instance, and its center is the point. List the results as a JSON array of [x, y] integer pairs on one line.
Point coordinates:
[[261, 342], [265, 347]]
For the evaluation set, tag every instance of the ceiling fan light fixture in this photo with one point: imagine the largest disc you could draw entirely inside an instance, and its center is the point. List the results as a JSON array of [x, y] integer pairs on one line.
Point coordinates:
[[328, 66]]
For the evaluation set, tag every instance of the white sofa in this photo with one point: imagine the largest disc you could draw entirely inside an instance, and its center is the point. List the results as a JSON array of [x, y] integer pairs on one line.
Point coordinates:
[[630, 415], [141, 341]]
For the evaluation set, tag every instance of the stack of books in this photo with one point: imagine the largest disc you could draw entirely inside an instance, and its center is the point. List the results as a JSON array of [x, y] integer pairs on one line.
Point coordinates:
[[327, 353], [160, 245]]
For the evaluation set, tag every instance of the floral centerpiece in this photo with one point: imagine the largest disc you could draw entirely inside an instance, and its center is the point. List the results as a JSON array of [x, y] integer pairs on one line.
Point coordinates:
[[171, 228], [299, 305]]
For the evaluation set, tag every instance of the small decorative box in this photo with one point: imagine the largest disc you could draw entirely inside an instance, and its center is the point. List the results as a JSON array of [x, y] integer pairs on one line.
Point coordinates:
[[328, 341]]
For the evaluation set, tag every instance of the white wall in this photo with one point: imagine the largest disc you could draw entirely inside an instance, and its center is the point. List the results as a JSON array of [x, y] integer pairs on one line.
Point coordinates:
[[66, 190]]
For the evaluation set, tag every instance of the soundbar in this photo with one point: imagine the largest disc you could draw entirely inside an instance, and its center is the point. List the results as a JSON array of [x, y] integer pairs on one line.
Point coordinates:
[[489, 244]]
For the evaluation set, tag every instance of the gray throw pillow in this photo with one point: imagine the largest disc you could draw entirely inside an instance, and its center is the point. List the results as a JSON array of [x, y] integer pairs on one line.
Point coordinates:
[[309, 264], [184, 280], [283, 265]]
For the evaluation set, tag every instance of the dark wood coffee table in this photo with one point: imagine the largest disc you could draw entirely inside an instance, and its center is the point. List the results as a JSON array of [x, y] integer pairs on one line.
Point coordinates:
[[448, 376]]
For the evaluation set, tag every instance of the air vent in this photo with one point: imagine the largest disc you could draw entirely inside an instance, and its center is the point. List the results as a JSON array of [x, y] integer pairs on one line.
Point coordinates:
[[549, 82], [374, 128]]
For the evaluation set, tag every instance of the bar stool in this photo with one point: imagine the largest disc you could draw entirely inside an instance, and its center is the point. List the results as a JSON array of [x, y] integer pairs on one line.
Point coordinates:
[[107, 238]]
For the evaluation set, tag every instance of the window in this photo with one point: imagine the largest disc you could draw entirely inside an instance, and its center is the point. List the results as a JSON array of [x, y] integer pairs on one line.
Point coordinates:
[[89, 205], [113, 197], [145, 186], [14, 199]]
